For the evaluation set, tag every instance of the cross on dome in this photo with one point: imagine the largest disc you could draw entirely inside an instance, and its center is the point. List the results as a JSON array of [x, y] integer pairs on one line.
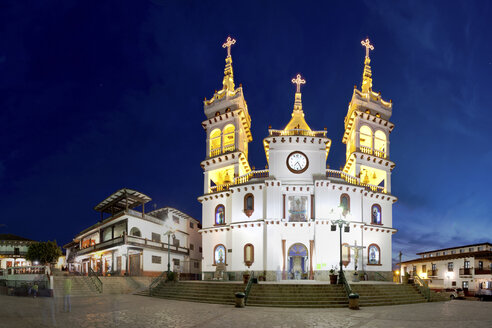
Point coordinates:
[[366, 43], [228, 44], [298, 80]]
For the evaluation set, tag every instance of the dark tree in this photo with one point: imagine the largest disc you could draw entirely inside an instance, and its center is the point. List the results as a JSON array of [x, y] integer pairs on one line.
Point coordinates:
[[44, 252]]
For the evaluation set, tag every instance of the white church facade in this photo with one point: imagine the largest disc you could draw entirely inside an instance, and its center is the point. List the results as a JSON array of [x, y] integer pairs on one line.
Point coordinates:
[[278, 222]]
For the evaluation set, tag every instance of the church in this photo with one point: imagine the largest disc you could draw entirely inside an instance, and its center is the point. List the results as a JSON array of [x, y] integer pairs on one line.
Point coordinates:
[[296, 219]]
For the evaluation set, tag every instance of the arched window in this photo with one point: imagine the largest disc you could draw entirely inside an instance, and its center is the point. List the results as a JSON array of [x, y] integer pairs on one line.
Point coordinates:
[[249, 254], [215, 141], [135, 232], [229, 137], [220, 254], [365, 136], [373, 254], [220, 214], [376, 214], [345, 254], [249, 204], [345, 203], [380, 142]]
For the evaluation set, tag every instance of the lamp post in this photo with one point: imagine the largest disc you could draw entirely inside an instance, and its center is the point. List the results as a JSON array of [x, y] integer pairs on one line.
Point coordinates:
[[340, 224], [169, 233]]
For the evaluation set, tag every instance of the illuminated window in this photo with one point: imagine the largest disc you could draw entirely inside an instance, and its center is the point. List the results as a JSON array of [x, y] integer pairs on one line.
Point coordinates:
[[345, 254], [249, 254], [450, 266], [249, 204], [229, 137], [220, 254], [215, 141], [220, 215], [380, 141], [135, 232], [374, 255], [365, 136], [376, 214], [345, 203]]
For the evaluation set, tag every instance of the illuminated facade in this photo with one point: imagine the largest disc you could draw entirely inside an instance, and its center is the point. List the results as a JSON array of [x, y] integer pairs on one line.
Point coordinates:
[[277, 222], [13, 250], [468, 267]]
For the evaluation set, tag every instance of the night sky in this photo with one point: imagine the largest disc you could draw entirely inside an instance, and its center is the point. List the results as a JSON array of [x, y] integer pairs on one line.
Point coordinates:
[[101, 95]]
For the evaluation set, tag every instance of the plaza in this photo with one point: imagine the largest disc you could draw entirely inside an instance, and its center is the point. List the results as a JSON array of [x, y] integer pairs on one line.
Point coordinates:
[[137, 311]]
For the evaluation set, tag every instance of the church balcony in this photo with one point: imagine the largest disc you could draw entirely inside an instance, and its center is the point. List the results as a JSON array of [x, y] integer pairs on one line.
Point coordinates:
[[354, 180], [297, 132], [370, 151], [222, 150], [259, 174]]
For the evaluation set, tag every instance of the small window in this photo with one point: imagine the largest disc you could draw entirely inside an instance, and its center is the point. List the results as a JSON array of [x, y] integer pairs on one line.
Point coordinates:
[[249, 254], [156, 259], [175, 219], [480, 265], [465, 284], [200, 249], [414, 269], [192, 225], [135, 232], [437, 254], [450, 266], [433, 266], [249, 204], [16, 251], [176, 242], [443, 253], [479, 248], [467, 264], [345, 203], [376, 214], [471, 249], [220, 254], [374, 256], [156, 237], [453, 283], [220, 215], [453, 252], [192, 247], [424, 268], [196, 265], [462, 250], [176, 262]]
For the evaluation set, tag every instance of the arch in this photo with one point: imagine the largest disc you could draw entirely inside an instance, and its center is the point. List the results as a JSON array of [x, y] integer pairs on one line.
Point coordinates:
[[345, 203], [229, 136], [249, 254], [297, 249], [249, 204], [365, 136], [345, 254], [380, 141], [373, 255], [220, 254], [135, 232], [215, 141], [219, 214], [376, 214]]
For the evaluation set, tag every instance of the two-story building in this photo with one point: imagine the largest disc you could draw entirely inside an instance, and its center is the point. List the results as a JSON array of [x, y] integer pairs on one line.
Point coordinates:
[[13, 250], [468, 267], [128, 241]]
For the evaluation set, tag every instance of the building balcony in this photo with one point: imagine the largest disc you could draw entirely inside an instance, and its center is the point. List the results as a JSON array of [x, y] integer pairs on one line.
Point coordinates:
[[483, 271], [222, 150], [259, 174], [132, 241], [297, 132], [354, 180], [432, 273], [370, 151], [466, 271]]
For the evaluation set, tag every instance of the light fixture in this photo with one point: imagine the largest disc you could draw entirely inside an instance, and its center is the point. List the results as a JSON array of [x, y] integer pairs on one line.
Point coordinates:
[[347, 228], [333, 227]]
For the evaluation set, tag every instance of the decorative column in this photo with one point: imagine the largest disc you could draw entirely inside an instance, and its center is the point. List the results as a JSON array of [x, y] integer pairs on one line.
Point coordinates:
[[311, 248], [284, 276]]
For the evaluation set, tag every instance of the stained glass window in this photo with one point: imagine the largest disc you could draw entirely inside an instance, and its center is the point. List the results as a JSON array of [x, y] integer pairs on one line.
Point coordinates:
[[298, 208], [376, 214], [220, 214], [374, 254], [219, 254], [345, 203]]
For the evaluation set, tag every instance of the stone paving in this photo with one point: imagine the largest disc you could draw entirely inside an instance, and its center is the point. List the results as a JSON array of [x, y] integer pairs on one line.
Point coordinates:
[[138, 311]]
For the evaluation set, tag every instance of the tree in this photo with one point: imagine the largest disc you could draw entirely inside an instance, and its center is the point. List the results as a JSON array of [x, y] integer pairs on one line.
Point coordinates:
[[44, 252]]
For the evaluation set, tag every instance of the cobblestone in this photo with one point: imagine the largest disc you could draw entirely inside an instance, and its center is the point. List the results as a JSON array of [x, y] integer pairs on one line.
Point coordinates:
[[137, 311]]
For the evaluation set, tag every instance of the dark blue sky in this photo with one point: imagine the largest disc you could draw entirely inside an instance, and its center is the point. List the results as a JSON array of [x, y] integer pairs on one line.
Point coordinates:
[[99, 95]]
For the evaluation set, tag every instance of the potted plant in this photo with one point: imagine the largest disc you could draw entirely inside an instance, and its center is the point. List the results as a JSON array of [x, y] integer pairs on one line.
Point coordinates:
[[246, 275], [333, 275]]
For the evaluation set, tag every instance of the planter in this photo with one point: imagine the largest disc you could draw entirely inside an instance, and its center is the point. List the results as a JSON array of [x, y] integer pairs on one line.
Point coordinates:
[[354, 301], [246, 278], [333, 279]]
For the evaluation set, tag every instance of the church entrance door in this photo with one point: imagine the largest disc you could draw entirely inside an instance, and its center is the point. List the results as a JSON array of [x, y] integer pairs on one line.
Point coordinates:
[[297, 262]]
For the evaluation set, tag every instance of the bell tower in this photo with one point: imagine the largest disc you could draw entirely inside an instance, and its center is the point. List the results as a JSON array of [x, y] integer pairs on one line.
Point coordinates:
[[228, 129], [367, 130]]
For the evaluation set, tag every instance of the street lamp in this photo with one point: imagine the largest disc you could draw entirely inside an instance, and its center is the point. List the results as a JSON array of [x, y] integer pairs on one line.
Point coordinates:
[[340, 224], [169, 233]]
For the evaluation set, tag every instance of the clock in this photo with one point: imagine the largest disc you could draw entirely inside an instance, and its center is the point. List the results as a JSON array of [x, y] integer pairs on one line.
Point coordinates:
[[297, 162]]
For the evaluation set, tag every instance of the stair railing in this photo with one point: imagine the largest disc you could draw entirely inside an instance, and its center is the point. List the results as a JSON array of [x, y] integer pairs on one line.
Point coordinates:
[[380, 275], [423, 287], [95, 280], [156, 282], [247, 290], [345, 283]]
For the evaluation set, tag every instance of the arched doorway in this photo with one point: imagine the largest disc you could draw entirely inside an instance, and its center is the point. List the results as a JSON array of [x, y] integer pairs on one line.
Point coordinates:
[[298, 262]]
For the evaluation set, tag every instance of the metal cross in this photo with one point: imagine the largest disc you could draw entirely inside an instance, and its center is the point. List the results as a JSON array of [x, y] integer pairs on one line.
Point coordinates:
[[356, 251], [229, 42], [366, 43], [298, 80]]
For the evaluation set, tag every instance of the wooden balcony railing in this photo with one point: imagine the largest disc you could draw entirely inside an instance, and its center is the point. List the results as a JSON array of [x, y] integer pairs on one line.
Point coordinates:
[[466, 271], [483, 271], [432, 273]]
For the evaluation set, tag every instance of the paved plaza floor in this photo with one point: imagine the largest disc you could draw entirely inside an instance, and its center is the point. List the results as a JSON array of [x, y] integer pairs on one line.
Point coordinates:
[[138, 311]]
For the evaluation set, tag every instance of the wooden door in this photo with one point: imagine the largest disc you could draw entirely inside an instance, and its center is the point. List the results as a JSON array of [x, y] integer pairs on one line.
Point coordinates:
[[135, 265]]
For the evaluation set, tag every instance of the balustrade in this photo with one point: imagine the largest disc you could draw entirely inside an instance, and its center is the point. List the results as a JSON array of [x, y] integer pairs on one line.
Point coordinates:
[[432, 273], [466, 271]]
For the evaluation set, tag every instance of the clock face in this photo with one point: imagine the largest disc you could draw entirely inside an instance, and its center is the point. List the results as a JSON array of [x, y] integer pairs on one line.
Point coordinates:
[[297, 162]]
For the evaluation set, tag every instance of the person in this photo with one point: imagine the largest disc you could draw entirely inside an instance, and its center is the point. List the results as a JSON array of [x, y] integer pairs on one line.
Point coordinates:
[[35, 289], [67, 288]]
